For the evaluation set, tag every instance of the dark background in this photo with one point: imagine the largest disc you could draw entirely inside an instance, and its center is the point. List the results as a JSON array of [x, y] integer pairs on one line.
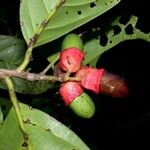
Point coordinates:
[[119, 123]]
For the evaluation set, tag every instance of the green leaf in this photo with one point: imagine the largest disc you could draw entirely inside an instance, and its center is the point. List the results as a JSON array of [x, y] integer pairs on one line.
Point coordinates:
[[29, 87], [44, 132], [70, 15], [94, 49], [12, 52]]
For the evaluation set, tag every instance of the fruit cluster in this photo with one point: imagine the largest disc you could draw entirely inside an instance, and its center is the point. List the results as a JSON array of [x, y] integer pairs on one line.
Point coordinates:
[[93, 79]]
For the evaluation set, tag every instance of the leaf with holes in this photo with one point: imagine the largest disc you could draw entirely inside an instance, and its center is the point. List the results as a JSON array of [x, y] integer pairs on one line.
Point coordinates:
[[127, 31], [70, 15], [41, 128], [12, 52]]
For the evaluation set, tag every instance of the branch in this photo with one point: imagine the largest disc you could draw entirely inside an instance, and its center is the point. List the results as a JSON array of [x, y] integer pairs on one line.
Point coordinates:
[[6, 74], [51, 64], [14, 101], [34, 77]]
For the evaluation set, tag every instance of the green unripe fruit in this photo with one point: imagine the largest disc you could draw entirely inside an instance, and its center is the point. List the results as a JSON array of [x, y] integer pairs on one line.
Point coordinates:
[[83, 106], [72, 40]]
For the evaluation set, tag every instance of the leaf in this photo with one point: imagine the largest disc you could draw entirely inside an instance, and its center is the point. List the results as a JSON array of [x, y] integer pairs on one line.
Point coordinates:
[[12, 52], [94, 49], [29, 87], [70, 15], [44, 132]]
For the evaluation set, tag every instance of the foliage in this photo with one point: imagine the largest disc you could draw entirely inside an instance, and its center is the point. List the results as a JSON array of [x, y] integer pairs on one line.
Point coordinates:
[[43, 22], [42, 129], [70, 16]]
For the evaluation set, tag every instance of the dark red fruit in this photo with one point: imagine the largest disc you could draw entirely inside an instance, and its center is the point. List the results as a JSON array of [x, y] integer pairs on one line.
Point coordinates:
[[113, 85]]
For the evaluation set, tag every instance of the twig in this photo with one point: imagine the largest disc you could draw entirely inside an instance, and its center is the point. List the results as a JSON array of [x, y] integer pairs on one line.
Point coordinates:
[[14, 101], [34, 77], [50, 65], [29, 76]]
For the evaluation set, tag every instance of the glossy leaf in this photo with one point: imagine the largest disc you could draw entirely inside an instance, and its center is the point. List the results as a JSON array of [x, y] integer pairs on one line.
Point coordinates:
[[41, 128], [94, 49], [12, 51], [70, 15], [28, 87]]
